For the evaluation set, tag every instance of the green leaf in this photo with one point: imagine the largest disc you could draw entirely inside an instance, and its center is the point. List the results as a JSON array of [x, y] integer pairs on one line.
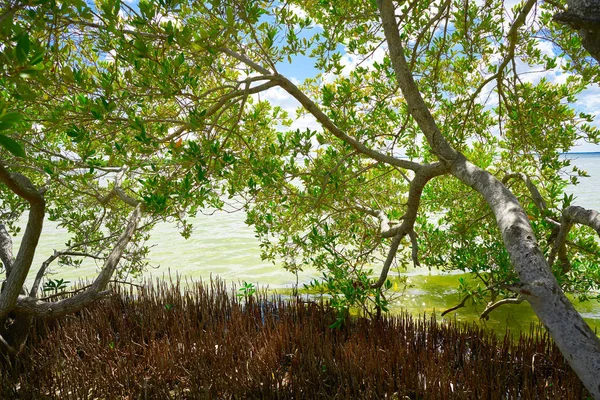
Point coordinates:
[[9, 119], [12, 146], [22, 49], [230, 20], [38, 58]]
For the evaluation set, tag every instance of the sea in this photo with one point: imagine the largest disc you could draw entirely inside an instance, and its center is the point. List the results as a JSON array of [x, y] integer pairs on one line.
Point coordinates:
[[223, 246]]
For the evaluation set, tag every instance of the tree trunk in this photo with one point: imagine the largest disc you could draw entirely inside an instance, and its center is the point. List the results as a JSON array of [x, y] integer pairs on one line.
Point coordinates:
[[14, 328], [575, 339], [584, 16]]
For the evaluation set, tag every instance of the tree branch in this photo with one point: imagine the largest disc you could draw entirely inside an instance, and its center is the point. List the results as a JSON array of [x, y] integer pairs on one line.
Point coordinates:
[[584, 16], [78, 290], [388, 261], [459, 305], [244, 59], [571, 215], [492, 306], [41, 309], [416, 105], [23, 187], [415, 248], [50, 260], [6, 245], [537, 197], [328, 124], [323, 119], [118, 191], [582, 216]]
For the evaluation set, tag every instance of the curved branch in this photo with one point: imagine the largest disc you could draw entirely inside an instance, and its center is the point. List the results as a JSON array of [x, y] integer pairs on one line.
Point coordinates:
[[571, 215], [42, 271], [582, 216], [42, 309], [407, 226], [491, 307], [459, 305], [23, 187], [323, 119], [537, 197], [328, 124], [118, 191], [6, 245], [388, 261]]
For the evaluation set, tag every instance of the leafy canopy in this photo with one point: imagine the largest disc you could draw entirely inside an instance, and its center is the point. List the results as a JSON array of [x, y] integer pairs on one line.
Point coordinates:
[[167, 95]]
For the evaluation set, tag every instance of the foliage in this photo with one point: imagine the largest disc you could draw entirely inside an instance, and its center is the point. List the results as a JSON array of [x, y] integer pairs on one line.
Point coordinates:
[[54, 285], [167, 95], [246, 291]]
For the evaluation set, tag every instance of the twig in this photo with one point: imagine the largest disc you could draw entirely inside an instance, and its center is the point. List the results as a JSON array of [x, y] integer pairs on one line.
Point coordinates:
[[492, 306], [415, 248], [459, 305], [85, 287]]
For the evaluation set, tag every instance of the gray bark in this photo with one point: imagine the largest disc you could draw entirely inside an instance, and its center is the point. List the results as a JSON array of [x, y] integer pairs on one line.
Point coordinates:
[[23, 187], [14, 328], [584, 16], [578, 343], [576, 340], [30, 305], [6, 255], [17, 309]]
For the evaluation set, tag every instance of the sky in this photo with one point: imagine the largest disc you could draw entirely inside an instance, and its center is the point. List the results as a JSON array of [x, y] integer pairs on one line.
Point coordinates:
[[302, 67]]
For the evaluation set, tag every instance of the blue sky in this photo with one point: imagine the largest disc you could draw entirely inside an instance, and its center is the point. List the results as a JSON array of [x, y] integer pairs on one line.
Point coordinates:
[[302, 67]]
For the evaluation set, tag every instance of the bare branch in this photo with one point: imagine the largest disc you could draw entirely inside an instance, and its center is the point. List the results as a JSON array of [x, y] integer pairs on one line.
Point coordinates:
[[459, 305], [50, 260], [407, 226], [118, 191], [126, 31], [41, 309], [582, 216], [416, 105], [492, 306], [244, 59], [571, 215], [561, 237], [23, 187], [537, 197], [6, 245], [239, 93], [70, 292], [388, 261], [415, 248], [328, 124]]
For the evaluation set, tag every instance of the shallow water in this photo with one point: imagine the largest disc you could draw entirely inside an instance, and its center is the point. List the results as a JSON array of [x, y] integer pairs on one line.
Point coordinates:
[[222, 245]]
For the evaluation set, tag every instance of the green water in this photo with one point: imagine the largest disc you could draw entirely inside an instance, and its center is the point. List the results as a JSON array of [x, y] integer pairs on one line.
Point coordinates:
[[437, 293], [222, 245]]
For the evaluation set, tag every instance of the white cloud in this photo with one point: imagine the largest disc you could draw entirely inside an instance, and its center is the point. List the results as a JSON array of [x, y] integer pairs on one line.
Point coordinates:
[[297, 11], [589, 100]]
